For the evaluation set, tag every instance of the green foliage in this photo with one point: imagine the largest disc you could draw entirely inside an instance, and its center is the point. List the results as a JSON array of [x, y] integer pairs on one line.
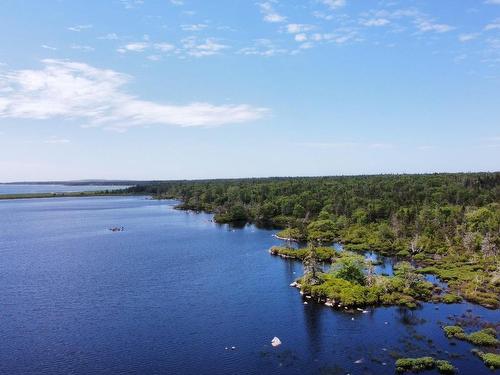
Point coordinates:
[[452, 298], [347, 285], [294, 234], [491, 360], [454, 331], [485, 337], [350, 267], [415, 364], [423, 364], [322, 231], [445, 367], [323, 254]]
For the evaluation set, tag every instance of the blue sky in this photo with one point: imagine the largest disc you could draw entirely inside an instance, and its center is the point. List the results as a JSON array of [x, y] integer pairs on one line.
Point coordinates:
[[169, 89]]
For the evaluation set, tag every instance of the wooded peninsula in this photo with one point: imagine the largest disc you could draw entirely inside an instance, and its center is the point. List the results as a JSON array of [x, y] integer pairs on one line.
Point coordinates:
[[442, 224]]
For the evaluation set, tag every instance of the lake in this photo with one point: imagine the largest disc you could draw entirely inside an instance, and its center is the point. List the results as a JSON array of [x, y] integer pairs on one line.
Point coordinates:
[[47, 188], [174, 292]]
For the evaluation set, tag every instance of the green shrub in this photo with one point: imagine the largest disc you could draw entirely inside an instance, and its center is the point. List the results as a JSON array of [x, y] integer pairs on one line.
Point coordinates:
[[424, 363], [452, 298], [491, 360], [445, 367], [483, 338], [454, 331], [415, 364]]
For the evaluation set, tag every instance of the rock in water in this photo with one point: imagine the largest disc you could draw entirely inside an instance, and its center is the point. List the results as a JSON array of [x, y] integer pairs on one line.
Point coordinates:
[[275, 342]]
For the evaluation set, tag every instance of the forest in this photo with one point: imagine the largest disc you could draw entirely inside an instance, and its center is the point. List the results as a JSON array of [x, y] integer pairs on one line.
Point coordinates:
[[447, 224]]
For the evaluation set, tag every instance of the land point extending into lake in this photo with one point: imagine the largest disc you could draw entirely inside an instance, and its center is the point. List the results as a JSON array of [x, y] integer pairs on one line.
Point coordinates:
[[424, 245]]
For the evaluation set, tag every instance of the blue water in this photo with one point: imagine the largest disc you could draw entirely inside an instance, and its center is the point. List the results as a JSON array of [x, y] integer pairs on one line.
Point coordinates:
[[172, 291], [42, 188]]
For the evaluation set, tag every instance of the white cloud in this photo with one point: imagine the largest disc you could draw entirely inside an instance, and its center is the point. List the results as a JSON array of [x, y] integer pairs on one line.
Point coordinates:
[[207, 47], [263, 47], [177, 2], [164, 47], [300, 37], [54, 140], [134, 47], [493, 26], [322, 16], [425, 25], [143, 46], [467, 37], [494, 2], [73, 90], [109, 36], [194, 27], [270, 15], [130, 4], [45, 46], [334, 4], [375, 22], [82, 47], [296, 28], [79, 28]]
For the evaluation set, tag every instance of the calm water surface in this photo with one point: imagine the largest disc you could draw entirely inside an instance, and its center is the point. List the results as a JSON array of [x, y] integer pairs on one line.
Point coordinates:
[[172, 291], [43, 188]]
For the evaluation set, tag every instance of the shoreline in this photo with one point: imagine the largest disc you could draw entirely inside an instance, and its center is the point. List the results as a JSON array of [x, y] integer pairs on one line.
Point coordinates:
[[63, 195]]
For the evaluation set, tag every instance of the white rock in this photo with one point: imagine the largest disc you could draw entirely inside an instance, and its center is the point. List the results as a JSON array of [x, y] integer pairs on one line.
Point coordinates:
[[275, 342], [305, 303], [294, 284]]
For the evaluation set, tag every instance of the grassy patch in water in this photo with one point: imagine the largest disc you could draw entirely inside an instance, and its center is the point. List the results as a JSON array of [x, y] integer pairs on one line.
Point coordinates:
[[491, 360], [484, 337], [423, 364]]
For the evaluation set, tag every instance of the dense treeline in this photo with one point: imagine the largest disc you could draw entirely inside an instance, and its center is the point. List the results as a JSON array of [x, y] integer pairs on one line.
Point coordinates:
[[427, 218]]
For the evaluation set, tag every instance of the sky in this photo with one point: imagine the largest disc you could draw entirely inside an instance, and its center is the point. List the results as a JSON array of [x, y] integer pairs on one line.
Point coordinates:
[[188, 89]]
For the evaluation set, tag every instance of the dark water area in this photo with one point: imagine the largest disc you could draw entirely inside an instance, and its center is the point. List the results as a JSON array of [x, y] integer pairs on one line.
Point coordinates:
[[172, 291], [44, 188]]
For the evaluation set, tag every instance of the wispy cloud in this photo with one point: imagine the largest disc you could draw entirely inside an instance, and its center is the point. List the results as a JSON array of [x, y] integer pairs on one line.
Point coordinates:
[[375, 22], [263, 47], [346, 145], [131, 4], [199, 48], [109, 36], [468, 37], [495, 25], [425, 25], [134, 47], [79, 28], [270, 15], [295, 28], [83, 48], [51, 48], [194, 27], [74, 90], [334, 4], [54, 140]]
